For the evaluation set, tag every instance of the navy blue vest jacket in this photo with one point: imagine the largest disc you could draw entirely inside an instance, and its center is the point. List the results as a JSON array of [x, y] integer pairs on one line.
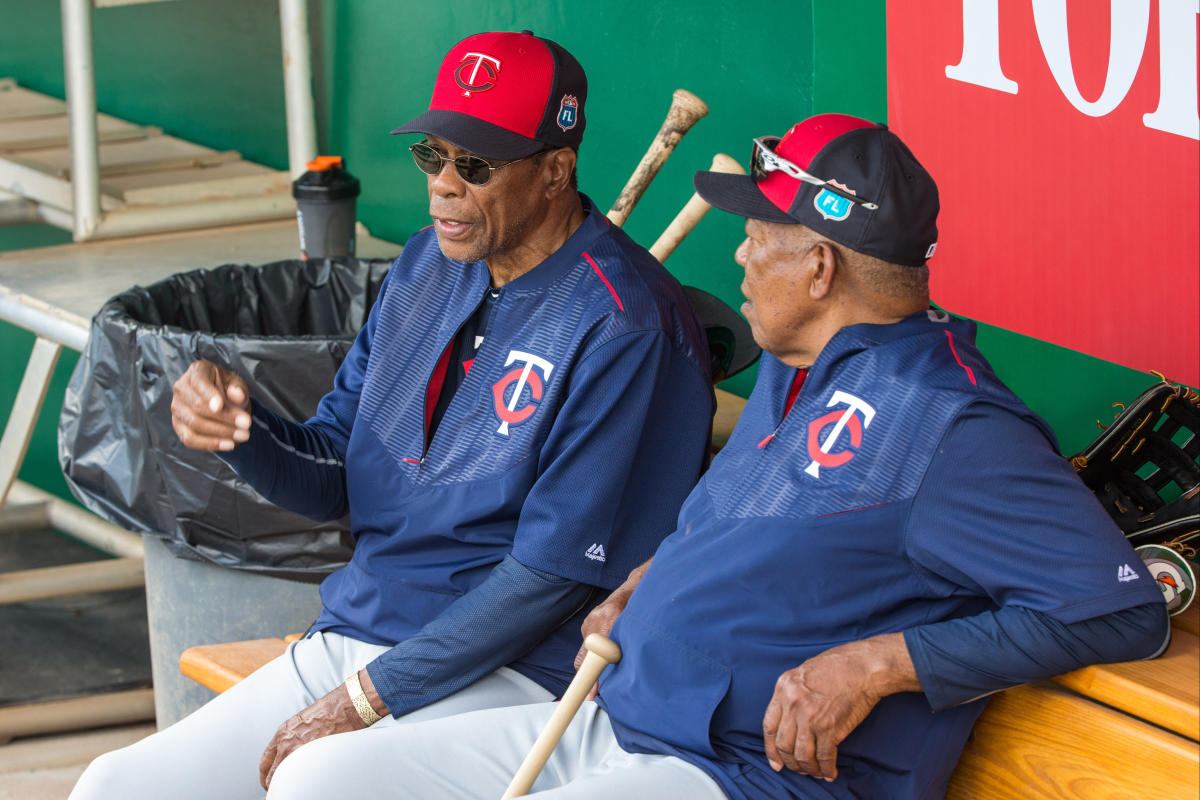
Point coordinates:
[[798, 540]]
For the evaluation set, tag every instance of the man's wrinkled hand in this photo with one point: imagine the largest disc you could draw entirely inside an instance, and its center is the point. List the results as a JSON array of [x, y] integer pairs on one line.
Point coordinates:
[[600, 620], [333, 713], [604, 616], [816, 705], [210, 408]]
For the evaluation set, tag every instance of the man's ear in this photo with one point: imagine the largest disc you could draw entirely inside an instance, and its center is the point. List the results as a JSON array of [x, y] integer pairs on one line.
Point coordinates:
[[558, 165], [824, 263]]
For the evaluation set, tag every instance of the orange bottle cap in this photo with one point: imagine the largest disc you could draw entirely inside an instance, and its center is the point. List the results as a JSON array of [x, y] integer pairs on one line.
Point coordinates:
[[323, 163]]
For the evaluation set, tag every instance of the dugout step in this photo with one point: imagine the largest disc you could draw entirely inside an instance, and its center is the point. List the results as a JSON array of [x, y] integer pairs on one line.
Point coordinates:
[[149, 181]]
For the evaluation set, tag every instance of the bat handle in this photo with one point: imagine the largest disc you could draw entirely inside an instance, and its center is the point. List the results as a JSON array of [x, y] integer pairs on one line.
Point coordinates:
[[602, 651], [691, 213]]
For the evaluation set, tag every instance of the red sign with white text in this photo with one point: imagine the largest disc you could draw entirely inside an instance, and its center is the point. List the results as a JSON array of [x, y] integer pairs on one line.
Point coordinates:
[[1065, 141]]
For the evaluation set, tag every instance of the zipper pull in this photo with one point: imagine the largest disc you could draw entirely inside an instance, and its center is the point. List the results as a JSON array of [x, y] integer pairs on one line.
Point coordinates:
[[769, 437]]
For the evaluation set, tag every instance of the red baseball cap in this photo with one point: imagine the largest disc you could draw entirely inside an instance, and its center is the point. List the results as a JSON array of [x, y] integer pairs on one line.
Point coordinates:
[[870, 192], [506, 96]]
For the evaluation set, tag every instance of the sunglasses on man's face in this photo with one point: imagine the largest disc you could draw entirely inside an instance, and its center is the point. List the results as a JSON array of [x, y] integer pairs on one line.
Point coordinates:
[[764, 160], [472, 169]]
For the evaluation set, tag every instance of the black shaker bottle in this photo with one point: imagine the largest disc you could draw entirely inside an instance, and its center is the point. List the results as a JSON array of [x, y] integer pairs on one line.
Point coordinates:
[[326, 196]]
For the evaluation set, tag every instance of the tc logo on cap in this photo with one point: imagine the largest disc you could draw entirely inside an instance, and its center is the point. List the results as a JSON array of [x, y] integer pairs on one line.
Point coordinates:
[[467, 75], [831, 206]]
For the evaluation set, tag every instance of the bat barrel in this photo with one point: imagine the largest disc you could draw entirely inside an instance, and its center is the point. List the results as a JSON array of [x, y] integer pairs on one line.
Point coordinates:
[[686, 110]]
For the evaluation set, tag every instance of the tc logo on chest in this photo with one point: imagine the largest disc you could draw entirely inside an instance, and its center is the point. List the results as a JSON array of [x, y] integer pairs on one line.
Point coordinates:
[[821, 452], [508, 390]]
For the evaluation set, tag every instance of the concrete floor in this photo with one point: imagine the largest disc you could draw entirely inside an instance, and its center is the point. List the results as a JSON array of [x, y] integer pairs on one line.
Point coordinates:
[[46, 767]]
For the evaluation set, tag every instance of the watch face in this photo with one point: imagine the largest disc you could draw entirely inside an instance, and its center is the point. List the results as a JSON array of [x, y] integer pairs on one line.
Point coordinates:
[[1173, 574]]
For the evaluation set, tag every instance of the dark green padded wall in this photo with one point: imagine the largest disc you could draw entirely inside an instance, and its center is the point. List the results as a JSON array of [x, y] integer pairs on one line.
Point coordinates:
[[211, 72], [756, 77]]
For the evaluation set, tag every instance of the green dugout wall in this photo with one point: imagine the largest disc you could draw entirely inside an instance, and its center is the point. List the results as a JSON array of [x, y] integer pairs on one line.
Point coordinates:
[[210, 71]]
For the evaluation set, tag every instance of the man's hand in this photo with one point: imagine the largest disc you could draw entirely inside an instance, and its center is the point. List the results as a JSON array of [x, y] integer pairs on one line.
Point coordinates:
[[333, 713], [602, 618], [210, 409], [817, 704]]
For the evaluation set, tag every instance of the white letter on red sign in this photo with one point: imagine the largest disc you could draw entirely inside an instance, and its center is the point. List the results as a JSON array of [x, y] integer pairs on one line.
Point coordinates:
[[1177, 108], [980, 62], [1130, 20]]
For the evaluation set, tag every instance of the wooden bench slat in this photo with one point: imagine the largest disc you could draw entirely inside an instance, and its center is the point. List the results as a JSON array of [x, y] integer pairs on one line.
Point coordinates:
[[1189, 620], [220, 666], [1038, 742], [1041, 742], [1165, 691]]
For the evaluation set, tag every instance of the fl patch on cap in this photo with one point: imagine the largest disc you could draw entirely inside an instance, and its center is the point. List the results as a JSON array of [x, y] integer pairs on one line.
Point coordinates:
[[506, 96], [846, 178]]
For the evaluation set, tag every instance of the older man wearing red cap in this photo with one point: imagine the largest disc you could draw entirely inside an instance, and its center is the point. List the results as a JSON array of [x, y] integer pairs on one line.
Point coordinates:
[[513, 432], [888, 537]]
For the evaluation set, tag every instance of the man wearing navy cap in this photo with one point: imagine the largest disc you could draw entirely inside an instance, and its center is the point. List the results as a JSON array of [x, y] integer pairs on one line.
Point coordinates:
[[888, 537], [513, 431]]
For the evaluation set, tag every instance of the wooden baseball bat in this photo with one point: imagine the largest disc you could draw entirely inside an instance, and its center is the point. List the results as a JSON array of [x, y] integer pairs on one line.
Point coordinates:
[[602, 651], [686, 110], [691, 213]]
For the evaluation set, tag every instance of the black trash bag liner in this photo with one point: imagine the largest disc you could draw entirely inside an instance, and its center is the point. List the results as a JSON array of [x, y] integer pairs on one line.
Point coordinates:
[[285, 328]]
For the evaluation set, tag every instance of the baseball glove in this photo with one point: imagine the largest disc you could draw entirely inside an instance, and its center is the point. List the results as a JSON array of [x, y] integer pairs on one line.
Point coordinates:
[[1145, 468]]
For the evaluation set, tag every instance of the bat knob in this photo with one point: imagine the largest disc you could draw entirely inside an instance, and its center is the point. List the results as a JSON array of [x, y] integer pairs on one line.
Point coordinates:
[[690, 103], [725, 163], [603, 646]]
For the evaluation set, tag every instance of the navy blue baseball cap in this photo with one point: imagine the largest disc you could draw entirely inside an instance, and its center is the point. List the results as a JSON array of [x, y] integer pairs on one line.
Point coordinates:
[[846, 178], [506, 96]]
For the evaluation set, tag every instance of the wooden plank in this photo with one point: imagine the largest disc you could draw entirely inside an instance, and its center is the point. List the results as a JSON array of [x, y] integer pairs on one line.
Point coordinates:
[[70, 282], [111, 3], [235, 179], [98, 710], [164, 164], [57, 160], [89, 576], [16, 517], [67, 750], [1164, 691], [44, 132], [121, 134], [219, 666], [1189, 620], [729, 408], [28, 404], [31, 180], [1041, 742], [18, 103]]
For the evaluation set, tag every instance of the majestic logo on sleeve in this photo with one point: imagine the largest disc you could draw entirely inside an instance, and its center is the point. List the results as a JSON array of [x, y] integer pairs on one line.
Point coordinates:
[[468, 76], [508, 390], [821, 452]]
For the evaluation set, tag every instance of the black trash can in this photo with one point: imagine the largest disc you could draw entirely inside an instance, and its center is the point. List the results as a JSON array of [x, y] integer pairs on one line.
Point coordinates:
[[285, 328]]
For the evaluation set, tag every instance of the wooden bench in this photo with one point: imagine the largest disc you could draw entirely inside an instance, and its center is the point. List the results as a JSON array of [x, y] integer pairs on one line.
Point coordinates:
[[1129, 730]]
